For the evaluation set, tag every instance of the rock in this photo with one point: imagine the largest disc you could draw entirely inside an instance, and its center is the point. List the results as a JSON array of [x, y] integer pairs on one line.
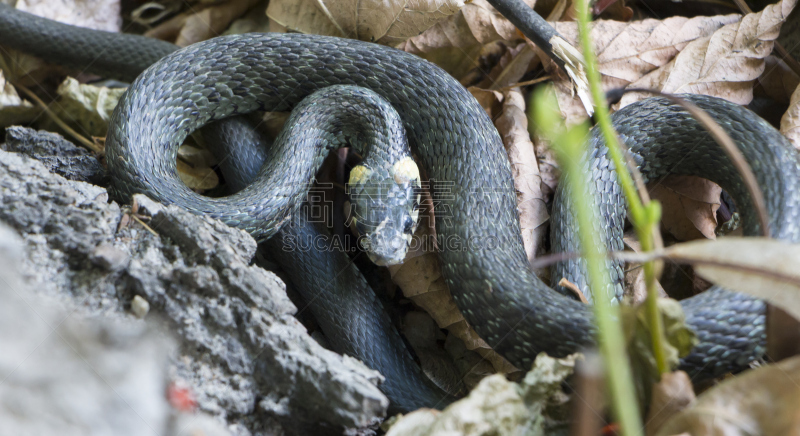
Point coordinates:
[[68, 375], [57, 154], [245, 357], [140, 307]]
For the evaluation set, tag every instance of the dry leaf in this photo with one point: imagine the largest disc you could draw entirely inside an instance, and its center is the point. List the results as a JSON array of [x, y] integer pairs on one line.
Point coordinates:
[[87, 106], [764, 401], [689, 206], [456, 43], [764, 268], [778, 81], [202, 178], [211, 21], [513, 127], [670, 395], [790, 122], [13, 109], [628, 51], [385, 22], [497, 406], [724, 64]]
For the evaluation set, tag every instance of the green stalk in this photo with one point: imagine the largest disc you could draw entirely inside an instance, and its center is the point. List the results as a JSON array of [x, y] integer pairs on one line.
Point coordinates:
[[644, 218], [569, 145]]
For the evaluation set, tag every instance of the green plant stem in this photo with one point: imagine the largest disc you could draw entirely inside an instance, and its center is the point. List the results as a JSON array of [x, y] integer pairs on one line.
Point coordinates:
[[643, 217], [569, 145]]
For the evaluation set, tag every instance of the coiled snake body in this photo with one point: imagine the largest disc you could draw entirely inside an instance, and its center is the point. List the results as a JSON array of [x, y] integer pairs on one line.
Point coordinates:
[[509, 306]]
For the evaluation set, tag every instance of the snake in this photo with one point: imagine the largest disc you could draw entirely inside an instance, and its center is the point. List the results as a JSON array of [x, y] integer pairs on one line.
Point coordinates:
[[176, 91]]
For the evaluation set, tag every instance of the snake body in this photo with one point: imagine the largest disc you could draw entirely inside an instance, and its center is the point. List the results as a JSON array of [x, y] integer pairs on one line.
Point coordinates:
[[457, 144]]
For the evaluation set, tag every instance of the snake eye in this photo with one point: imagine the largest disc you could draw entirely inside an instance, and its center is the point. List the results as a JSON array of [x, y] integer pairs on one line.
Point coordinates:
[[408, 226]]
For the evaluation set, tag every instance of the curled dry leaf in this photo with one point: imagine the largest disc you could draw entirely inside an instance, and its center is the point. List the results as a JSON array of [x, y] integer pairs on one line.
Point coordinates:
[[790, 122], [724, 64], [513, 126], [764, 268], [457, 42], [13, 109], [211, 21], [87, 106], [670, 395], [764, 401], [382, 21], [499, 407], [689, 206], [778, 81], [628, 51], [200, 178], [195, 26]]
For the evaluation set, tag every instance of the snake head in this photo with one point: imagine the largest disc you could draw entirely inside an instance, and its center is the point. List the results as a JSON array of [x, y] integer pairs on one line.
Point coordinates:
[[385, 209]]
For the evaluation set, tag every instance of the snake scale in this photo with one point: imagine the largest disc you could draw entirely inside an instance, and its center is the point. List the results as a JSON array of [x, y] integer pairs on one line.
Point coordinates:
[[456, 142]]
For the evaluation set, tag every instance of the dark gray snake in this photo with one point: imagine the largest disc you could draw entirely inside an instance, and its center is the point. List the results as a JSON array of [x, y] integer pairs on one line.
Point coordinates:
[[511, 308]]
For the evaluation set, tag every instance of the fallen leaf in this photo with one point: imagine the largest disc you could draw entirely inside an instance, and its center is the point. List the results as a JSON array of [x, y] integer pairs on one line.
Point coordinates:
[[628, 51], [763, 401], [724, 64], [680, 340], [790, 122], [689, 206], [13, 109], [670, 395], [457, 42], [497, 406], [211, 21], [513, 127], [764, 268], [778, 81], [381, 21], [87, 106], [202, 178]]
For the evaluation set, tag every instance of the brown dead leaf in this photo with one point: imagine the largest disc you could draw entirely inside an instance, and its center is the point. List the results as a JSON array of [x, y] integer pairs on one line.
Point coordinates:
[[790, 122], [761, 267], [724, 64], [689, 206], [195, 26], [628, 51], [13, 109], [381, 21], [778, 81], [457, 42], [513, 127], [764, 401], [671, 395], [200, 178]]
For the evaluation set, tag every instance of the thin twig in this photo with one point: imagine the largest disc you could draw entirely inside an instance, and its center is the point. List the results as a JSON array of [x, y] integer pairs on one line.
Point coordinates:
[[78, 137]]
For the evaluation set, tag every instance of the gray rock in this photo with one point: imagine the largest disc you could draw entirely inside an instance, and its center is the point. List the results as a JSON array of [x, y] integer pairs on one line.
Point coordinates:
[[57, 154], [241, 351], [69, 375]]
